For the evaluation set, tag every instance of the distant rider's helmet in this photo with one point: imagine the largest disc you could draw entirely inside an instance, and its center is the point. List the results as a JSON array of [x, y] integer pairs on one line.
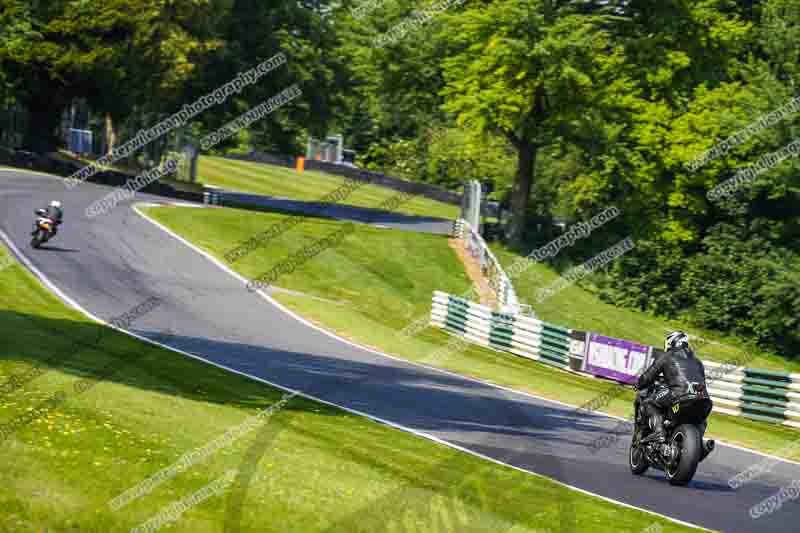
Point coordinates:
[[676, 339], [55, 203]]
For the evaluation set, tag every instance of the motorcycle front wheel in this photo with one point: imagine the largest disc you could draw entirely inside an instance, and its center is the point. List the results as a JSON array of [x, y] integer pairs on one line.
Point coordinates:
[[688, 449], [38, 239]]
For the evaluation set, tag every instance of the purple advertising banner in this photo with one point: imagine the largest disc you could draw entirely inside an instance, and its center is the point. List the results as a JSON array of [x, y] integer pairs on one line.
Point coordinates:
[[615, 359]]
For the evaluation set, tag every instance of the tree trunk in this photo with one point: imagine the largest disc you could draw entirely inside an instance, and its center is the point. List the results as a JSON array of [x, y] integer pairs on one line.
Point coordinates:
[[111, 135], [526, 162], [40, 136]]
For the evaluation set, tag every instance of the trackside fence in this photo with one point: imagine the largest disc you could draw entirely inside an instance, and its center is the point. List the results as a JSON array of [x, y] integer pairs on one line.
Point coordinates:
[[757, 394], [753, 393], [490, 266], [212, 196], [520, 335]]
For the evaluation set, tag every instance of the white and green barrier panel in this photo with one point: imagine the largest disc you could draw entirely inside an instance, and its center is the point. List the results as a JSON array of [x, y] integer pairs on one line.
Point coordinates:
[[763, 395], [754, 393], [520, 335]]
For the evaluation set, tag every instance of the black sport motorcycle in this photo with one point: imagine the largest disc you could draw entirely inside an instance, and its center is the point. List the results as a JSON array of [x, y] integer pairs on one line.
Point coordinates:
[[43, 229], [684, 448]]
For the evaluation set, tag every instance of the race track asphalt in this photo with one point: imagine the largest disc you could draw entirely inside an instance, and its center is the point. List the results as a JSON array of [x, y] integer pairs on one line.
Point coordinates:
[[111, 263], [362, 215]]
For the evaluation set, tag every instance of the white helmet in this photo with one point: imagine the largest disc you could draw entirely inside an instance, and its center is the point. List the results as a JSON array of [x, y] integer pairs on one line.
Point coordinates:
[[676, 339], [55, 203]]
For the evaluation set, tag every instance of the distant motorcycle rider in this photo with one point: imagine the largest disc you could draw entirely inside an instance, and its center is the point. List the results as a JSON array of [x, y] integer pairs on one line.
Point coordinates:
[[682, 372], [54, 213]]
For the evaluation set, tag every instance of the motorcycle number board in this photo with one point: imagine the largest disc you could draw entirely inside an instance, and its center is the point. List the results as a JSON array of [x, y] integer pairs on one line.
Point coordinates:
[[615, 359]]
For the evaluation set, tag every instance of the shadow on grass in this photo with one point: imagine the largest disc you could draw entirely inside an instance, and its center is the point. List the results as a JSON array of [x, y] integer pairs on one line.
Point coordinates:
[[409, 395], [71, 346], [90, 351], [546, 438]]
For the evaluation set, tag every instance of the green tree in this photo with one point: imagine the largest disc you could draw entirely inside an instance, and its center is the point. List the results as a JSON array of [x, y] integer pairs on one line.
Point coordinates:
[[395, 86], [306, 34], [527, 70], [114, 53], [684, 92]]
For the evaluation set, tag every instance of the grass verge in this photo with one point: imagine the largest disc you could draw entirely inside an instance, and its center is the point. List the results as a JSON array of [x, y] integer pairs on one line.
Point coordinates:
[[322, 469], [382, 280]]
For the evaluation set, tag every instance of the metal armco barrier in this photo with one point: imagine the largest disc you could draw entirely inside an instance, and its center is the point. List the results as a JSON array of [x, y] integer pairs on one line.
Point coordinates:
[[763, 395], [520, 335]]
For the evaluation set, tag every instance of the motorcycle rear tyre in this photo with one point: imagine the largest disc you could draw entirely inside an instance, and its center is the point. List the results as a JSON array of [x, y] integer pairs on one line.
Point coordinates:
[[688, 438]]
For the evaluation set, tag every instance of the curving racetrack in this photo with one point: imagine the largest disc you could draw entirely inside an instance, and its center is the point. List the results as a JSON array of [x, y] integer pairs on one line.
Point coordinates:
[[108, 264]]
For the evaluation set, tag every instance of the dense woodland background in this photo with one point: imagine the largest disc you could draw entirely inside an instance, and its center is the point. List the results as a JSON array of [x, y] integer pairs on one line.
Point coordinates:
[[567, 107]]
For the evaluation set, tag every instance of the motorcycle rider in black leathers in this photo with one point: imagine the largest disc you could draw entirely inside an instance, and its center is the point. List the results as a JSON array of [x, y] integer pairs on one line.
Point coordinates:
[[54, 213], [682, 372]]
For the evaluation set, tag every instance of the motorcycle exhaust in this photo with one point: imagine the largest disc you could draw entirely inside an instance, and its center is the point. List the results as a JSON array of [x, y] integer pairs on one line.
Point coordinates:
[[708, 447]]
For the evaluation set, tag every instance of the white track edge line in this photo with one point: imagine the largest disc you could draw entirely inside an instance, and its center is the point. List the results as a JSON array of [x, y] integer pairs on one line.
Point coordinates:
[[431, 437], [221, 265], [46, 281], [407, 361], [389, 423], [28, 171]]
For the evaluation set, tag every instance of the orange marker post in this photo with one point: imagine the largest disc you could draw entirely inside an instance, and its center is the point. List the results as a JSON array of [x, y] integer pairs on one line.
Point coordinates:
[[301, 164]]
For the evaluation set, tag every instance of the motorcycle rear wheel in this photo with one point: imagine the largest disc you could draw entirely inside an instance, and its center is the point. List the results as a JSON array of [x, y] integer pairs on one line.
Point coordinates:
[[686, 439]]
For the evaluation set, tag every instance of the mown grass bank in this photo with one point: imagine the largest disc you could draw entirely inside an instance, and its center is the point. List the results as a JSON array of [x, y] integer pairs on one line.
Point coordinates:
[[378, 281], [132, 409]]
